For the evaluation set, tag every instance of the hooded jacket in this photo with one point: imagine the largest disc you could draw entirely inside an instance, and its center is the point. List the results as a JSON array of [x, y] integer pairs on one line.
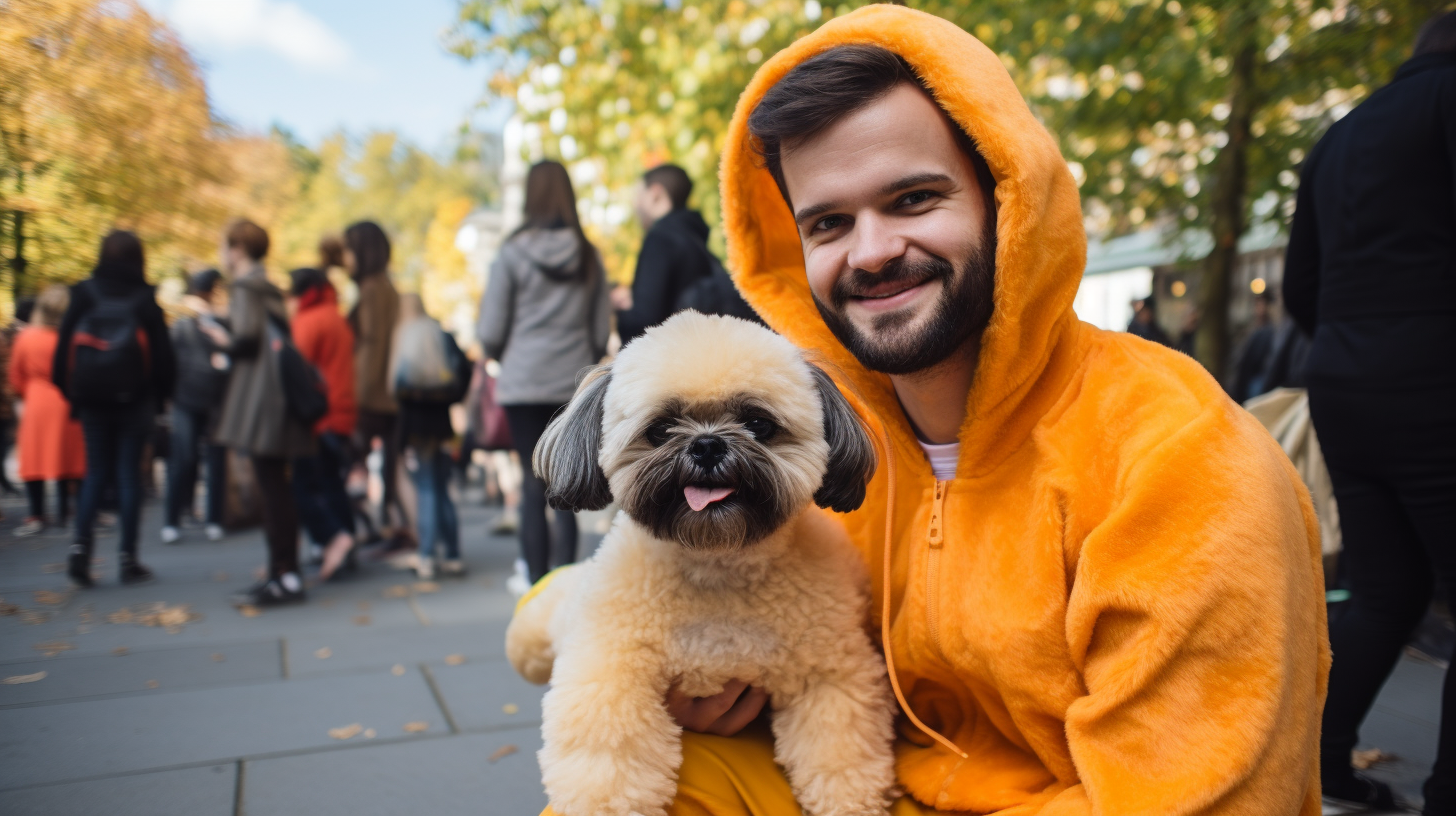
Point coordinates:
[[542, 322], [1116, 606], [674, 256], [324, 339]]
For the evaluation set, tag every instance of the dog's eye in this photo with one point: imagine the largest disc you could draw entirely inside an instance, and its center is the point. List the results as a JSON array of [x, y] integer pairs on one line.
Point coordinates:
[[657, 432], [762, 428]]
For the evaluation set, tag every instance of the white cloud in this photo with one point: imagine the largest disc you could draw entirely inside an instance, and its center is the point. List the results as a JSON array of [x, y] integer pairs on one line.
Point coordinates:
[[280, 26]]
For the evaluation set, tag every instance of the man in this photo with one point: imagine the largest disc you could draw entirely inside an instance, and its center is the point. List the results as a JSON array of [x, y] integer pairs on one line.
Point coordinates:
[[202, 376], [1369, 275], [1144, 322], [674, 252], [1253, 355]]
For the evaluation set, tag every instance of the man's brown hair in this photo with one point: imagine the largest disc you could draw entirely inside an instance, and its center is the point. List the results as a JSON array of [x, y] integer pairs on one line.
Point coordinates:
[[249, 237], [821, 90]]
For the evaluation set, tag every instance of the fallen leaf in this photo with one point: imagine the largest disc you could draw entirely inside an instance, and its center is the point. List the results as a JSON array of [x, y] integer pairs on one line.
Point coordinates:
[[454, 660], [426, 587], [397, 591], [121, 616], [9, 609], [362, 620], [416, 727], [51, 648], [370, 733], [324, 654], [32, 617], [510, 708], [50, 597], [501, 753], [1364, 760], [16, 680], [249, 611], [153, 684], [398, 670], [218, 657], [83, 629], [219, 577], [347, 732], [49, 568], [120, 650]]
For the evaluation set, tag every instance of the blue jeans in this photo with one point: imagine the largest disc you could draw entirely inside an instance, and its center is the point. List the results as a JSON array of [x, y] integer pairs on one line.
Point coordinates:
[[189, 430], [318, 488], [115, 437], [436, 513]]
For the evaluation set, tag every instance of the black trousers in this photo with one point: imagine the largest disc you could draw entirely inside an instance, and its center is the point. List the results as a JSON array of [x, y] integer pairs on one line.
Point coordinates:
[[527, 423], [35, 491], [319, 492], [1392, 457], [280, 514]]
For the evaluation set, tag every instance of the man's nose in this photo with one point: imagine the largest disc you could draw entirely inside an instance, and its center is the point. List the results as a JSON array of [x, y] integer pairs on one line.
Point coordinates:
[[874, 243], [707, 451]]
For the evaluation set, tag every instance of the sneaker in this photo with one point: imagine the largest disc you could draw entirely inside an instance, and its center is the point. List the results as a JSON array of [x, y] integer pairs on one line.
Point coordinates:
[[78, 569], [519, 584], [506, 523], [33, 525], [453, 568], [132, 572], [425, 568], [287, 589], [171, 535], [1359, 791], [215, 532]]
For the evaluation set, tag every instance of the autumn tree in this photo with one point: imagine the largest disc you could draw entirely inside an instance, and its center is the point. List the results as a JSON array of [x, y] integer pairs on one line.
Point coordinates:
[[104, 121]]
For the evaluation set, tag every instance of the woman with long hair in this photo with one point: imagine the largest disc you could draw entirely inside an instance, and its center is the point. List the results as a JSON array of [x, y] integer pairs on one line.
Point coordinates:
[[51, 446], [114, 363], [545, 316]]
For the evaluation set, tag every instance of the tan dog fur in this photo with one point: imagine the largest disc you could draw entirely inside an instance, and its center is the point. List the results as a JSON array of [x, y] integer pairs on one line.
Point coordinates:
[[786, 613]]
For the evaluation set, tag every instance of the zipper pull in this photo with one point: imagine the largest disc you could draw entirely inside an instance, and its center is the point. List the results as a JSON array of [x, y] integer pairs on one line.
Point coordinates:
[[937, 516]]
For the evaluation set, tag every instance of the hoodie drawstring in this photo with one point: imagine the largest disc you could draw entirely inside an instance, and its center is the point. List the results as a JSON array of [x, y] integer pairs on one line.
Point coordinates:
[[885, 611]]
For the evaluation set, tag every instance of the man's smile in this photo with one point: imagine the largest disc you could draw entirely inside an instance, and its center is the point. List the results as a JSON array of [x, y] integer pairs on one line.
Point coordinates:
[[891, 295]]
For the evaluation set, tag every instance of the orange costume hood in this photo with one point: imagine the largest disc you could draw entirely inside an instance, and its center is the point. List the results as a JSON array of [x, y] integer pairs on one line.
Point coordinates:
[[1117, 605]]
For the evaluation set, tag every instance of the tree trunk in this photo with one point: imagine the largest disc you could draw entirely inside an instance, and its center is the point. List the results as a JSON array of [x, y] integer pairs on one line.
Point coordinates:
[[1211, 344], [18, 261]]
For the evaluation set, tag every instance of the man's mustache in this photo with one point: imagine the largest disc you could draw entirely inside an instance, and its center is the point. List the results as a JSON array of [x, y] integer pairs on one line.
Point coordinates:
[[859, 282]]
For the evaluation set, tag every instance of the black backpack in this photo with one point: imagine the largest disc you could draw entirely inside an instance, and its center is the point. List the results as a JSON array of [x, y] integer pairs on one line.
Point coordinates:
[[110, 358], [304, 390], [715, 294]]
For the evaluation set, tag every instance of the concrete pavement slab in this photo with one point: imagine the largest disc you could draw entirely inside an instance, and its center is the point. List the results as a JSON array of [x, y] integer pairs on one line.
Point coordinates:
[[206, 791], [78, 740], [186, 667], [374, 647], [441, 777], [487, 695]]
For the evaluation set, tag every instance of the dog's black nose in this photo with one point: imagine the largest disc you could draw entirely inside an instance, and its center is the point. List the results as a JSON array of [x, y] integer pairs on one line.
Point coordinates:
[[707, 451]]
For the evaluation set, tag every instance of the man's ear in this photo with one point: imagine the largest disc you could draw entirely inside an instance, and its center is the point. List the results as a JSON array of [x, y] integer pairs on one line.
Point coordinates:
[[851, 454], [566, 456]]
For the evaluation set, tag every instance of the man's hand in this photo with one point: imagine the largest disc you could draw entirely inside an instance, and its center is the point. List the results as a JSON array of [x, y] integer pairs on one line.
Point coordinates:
[[725, 713], [621, 297]]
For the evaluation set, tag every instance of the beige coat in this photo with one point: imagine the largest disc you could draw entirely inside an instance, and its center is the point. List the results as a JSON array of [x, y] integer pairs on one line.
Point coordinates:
[[373, 320]]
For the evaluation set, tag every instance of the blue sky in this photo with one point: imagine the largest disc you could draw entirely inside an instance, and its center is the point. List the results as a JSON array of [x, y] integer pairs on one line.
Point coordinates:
[[318, 65]]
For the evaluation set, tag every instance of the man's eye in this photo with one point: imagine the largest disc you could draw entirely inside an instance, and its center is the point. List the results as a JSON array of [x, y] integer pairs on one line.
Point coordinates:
[[830, 222], [658, 432], [762, 428], [917, 197]]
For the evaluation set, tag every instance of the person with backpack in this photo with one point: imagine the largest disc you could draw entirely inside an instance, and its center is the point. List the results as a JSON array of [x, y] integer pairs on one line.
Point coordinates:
[[200, 340], [545, 316], [428, 374], [256, 419], [114, 364], [326, 342]]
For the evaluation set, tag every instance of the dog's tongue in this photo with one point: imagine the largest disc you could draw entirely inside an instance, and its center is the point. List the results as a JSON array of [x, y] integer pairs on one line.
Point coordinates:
[[700, 497]]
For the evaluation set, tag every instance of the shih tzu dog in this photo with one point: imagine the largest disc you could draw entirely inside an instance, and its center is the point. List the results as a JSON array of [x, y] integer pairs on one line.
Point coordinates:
[[715, 437]]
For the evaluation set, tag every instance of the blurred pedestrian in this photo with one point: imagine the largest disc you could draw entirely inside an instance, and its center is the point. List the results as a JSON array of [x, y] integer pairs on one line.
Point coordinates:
[[201, 341], [255, 419], [1188, 333], [674, 252], [1368, 274], [1252, 358], [1144, 322], [428, 374], [366, 257], [7, 410], [51, 446], [115, 364], [325, 340], [545, 316]]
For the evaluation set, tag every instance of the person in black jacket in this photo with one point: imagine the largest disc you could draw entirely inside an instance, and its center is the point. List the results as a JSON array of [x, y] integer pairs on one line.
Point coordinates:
[[674, 252], [118, 426], [1370, 273], [200, 340]]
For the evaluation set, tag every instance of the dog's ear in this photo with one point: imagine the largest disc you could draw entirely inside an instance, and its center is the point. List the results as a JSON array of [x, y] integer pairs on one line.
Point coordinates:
[[851, 454], [566, 457]]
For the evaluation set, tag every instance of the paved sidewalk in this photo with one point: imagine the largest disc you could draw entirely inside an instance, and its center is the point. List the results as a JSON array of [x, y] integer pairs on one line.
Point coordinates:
[[381, 696]]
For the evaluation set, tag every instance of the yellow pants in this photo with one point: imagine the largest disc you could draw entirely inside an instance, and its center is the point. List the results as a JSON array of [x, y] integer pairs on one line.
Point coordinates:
[[737, 776]]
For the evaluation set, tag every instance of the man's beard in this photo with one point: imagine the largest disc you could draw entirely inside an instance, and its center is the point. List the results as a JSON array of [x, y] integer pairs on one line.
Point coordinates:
[[960, 313]]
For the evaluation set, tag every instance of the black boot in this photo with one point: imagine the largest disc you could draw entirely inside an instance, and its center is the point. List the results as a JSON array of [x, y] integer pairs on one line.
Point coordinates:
[[132, 571], [78, 568], [1355, 788]]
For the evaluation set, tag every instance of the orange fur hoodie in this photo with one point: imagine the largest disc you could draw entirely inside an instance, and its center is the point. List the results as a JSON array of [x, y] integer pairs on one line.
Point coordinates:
[[1116, 607]]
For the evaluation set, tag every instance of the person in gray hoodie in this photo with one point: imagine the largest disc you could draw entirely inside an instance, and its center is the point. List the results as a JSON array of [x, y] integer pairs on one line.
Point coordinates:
[[545, 316]]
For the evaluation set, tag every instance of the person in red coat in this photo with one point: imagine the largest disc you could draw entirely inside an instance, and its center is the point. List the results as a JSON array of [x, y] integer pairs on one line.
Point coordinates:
[[325, 340], [51, 447]]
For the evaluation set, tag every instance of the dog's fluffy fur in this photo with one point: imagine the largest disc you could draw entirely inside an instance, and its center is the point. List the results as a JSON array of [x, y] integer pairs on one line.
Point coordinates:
[[760, 586]]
